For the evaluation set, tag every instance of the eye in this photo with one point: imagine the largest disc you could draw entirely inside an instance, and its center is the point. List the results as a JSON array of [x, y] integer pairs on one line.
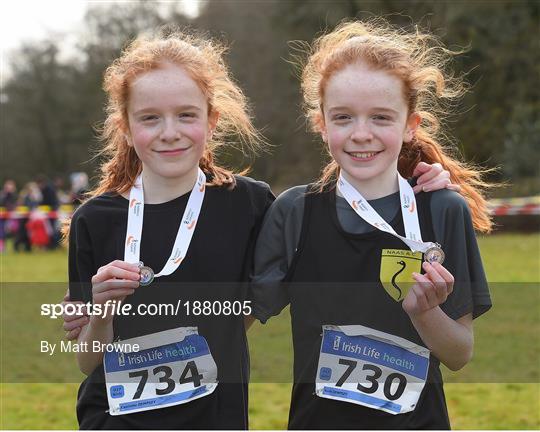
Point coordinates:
[[341, 117], [381, 117], [149, 118], [186, 115]]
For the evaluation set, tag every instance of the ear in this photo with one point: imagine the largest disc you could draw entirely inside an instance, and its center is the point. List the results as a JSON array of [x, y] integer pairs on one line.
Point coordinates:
[[213, 118], [324, 135], [322, 126], [412, 124], [127, 136]]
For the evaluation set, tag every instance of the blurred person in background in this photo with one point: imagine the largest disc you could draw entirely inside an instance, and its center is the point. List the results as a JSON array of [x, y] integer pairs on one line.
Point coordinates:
[[39, 230], [30, 197], [79, 187], [63, 196], [8, 200], [50, 199]]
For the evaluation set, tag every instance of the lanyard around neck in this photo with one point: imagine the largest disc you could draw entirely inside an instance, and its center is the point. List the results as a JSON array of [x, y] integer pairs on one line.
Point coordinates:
[[413, 237], [185, 230]]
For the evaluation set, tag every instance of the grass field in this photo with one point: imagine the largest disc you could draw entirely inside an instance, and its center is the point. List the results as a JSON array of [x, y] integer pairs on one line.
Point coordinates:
[[498, 390]]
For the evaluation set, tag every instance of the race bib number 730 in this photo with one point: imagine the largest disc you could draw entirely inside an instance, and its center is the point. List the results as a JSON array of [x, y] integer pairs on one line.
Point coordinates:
[[371, 368]]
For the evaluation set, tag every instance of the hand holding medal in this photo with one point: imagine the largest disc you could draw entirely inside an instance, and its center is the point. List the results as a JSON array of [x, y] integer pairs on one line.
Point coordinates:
[[431, 290], [114, 281]]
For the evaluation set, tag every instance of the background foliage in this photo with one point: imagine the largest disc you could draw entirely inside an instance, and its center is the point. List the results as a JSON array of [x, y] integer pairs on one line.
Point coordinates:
[[52, 100]]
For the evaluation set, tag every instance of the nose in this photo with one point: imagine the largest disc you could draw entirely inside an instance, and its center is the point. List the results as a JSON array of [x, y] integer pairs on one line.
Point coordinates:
[[170, 132], [361, 132]]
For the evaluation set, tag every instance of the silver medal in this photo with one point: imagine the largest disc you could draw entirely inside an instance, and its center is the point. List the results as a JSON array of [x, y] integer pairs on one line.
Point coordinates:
[[434, 254], [147, 275]]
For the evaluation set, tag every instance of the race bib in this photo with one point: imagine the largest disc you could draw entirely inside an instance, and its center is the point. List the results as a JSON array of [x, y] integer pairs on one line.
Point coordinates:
[[172, 367], [371, 368]]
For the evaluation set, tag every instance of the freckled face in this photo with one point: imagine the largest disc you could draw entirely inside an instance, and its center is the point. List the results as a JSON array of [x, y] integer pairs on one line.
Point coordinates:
[[168, 122], [365, 122]]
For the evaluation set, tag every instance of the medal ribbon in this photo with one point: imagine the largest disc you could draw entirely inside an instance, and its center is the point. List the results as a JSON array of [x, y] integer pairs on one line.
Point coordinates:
[[185, 231], [413, 237]]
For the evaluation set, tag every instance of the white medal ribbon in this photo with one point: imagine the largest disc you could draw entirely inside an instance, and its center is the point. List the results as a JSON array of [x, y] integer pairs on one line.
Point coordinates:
[[185, 231], [413, 237]]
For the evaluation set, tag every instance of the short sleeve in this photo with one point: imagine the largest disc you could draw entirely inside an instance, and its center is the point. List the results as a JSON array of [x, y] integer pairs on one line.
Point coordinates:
[[453, 228], [261, 198], [276, 246], [81, 265]]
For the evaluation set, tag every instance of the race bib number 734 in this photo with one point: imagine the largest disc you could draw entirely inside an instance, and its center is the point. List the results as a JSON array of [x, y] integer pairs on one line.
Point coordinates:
[[371, 368], [173, 367]]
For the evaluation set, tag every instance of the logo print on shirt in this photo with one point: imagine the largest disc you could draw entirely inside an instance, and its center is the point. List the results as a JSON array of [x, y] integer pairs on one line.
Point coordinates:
[[397, 267]]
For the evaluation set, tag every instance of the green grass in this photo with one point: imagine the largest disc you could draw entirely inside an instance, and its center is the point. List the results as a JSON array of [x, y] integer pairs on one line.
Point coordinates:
[[482, 396]]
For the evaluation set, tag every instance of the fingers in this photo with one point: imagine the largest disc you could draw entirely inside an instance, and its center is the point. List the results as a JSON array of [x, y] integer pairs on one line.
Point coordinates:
[[114, 281], [121, 264], [75, 313], [425, 291], [73, 334], [437, 183], [434, 177], [114, 284], [114, 271], [438, 281], [78, 322], [421, 168], [73, 310], [446, 276], [116, 294], [454, 187]]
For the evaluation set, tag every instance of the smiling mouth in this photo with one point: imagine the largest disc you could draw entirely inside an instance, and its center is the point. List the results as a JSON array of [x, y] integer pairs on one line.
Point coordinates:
[[363, 155], [173, 151]]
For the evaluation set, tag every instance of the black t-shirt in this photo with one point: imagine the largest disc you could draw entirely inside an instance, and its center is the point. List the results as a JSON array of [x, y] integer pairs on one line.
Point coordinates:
[[280, 234], [333, 278], [218, 259]]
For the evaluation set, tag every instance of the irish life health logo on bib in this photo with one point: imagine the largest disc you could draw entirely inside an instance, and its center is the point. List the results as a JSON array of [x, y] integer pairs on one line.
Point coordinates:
[[397, 267]]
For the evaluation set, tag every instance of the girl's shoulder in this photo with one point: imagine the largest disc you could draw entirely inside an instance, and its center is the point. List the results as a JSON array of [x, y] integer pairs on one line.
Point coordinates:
[[448, 202], [288, 206], [291, 198], [257, 193], [244, 183], [101, 206]]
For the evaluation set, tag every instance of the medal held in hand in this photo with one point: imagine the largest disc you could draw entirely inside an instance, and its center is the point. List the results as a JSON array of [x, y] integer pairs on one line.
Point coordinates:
[[434, 254], [147, 274]]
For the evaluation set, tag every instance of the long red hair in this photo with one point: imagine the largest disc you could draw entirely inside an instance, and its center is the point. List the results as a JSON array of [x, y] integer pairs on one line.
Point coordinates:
[[419, 60], [203, 59]]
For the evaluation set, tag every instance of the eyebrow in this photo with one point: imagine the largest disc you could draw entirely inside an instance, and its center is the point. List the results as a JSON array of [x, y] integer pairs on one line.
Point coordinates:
[[345, 108], [390, 110], [180, 108]]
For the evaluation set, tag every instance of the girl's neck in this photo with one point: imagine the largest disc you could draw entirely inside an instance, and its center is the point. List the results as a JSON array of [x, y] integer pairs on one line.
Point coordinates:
[[375, 187], [159, 189]]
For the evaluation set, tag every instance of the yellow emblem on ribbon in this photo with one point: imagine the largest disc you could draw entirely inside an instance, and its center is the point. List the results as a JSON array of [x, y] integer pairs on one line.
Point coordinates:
[[397, 267]]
